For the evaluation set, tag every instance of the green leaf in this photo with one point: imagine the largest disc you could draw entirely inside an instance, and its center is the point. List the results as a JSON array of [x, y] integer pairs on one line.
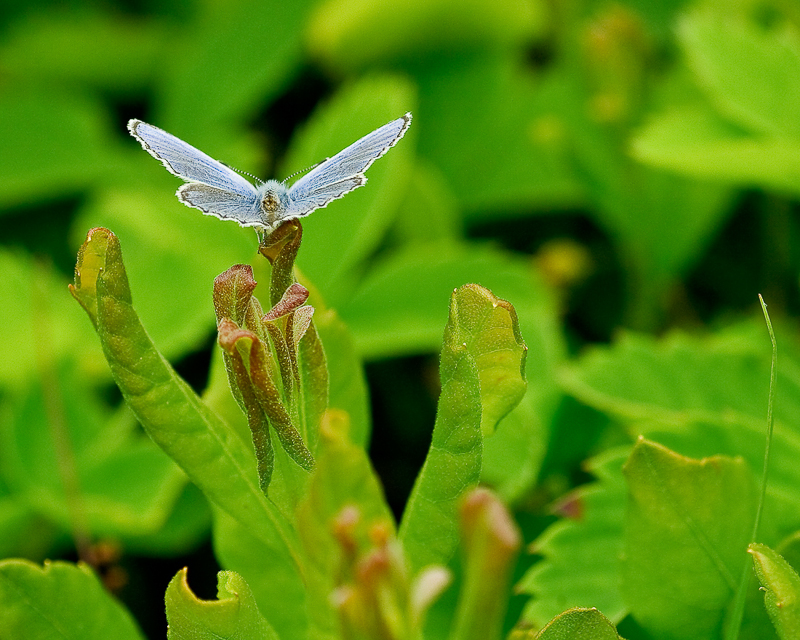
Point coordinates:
[[247, 76], [781, 586], [503, 106], [212, 455], [491, 337], [705, 396], [35, 293], [343, 478], [491, 541], [579, 624], [397, 311], [687, 528], [72, 128], [696, 143], [482, 345], [72, 462], [259, 557], [234, 615], [752, 75], [355, 224], [350, 34], [580, 565], [60, 47], [59, 600]]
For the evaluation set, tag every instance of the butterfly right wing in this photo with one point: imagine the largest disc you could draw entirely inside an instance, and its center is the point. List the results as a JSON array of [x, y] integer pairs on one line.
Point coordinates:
[[222, 203], [337, 176], [186, 162]]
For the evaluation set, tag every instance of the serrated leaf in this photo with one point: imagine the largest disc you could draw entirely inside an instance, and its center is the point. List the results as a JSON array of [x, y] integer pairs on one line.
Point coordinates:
[[480, 325], [59, 600], [781, 586], [687, 528], [705, 396], [581, 553], [232, 616]]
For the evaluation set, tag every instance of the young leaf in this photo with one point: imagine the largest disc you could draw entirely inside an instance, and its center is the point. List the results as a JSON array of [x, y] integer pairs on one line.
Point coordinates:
[[211, 454], [491, 541], [343, 479], [59, 600], [781, 586], [687, 529], [232, 616], [482, 372]]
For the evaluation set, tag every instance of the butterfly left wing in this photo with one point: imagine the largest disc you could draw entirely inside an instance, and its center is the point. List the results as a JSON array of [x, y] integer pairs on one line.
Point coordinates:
[[343, 172]]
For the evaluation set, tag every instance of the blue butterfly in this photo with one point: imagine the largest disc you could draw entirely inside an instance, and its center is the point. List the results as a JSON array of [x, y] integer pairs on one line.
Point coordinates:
[[219, 191]]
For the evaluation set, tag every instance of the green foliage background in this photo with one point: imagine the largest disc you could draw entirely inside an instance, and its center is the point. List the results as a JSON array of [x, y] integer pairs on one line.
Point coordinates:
[[617, 170]]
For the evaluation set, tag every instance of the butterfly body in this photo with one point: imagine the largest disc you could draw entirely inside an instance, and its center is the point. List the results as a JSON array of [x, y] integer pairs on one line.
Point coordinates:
[[216, 189]]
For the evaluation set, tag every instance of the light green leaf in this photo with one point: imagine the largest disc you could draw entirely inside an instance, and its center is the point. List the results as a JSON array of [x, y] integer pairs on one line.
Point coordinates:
[[751, 74], [62, 47], [233, 616], [355, 33], [696, 143], [259, 557], [480, 324], [70, 460], [579, 624], [59, 601], [348, 386], [490, 103], [687, 528], [781, 586], [34, 294]]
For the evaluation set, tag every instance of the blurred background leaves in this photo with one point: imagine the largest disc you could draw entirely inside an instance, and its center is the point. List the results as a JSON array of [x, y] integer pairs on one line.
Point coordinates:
[[601, 164]]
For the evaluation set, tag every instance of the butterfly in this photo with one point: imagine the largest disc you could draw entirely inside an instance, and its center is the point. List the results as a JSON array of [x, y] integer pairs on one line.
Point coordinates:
[[217, 190]]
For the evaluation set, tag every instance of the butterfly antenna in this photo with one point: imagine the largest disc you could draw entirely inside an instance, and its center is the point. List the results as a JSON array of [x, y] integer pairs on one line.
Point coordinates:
[[244, 173], [297, 173]]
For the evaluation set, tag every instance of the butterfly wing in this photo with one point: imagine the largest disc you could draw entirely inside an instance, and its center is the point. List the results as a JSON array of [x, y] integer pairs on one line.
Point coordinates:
[[343, 172], [186, 162], [222, 203]]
